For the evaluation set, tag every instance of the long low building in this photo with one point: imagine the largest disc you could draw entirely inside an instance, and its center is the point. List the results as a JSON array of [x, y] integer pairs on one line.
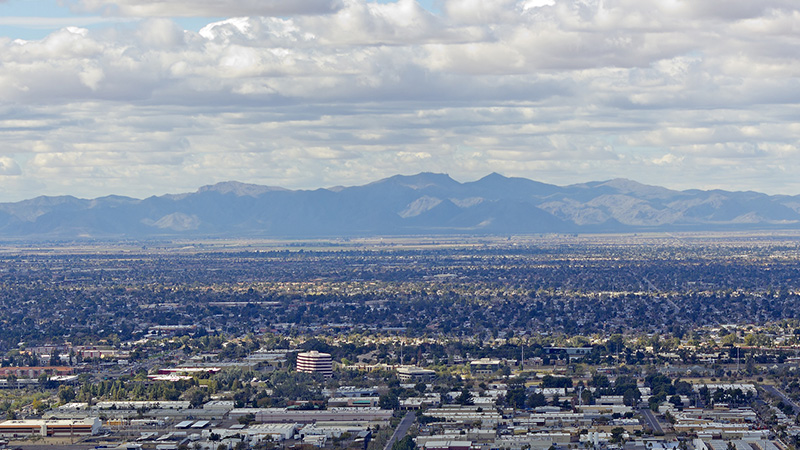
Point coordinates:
[[467, 414], [276, 431], [354, 402], [560, 419], [144, 405], [284, 415], [35, 372], [447, 445], [43, 427], [533, 441]]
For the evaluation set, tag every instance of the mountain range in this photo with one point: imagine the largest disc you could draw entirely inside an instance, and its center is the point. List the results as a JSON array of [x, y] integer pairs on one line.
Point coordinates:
[[422, 204]]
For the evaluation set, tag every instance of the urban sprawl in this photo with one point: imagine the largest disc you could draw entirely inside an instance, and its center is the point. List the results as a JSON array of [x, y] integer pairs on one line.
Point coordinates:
[[685, 342]]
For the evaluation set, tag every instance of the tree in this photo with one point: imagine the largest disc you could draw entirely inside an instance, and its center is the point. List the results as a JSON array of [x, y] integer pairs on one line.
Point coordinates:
[[616, 343], [247, 419], [465, 398], [43, 380], [656, 400], [196, 396], [515, 397], [587, 398], [38, 405], [389, 401], [616, 435], [66, 394], [536, 400], [631, 396], [407, 443], [550, 381], [624, 383], [683, 388], [599, 381]]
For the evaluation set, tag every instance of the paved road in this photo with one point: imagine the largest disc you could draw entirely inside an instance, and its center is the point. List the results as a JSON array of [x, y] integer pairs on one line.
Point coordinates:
[[651, 420], [650, 285], [401, 430], [778, 393]]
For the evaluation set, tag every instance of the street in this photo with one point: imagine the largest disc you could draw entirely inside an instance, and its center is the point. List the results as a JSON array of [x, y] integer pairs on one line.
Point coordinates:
[[651, 420], [401, 429], [778, 393]]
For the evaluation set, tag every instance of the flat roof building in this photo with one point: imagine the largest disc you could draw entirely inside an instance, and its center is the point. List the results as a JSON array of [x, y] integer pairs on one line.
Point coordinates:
[[35, 372], [147, 404], [42, 427], [484, 366], [315, 362], [341, 414], [407, 373]]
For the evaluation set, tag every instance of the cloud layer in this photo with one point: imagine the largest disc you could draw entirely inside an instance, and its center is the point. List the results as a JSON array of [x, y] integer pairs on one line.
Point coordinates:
[[206, 8], [670, 92]]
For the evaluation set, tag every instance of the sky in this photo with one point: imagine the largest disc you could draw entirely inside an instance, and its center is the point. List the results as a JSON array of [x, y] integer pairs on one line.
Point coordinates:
[[147, 97]]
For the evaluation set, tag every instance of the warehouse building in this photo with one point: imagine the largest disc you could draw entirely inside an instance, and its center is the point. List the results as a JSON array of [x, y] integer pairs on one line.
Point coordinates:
[[45, 428]]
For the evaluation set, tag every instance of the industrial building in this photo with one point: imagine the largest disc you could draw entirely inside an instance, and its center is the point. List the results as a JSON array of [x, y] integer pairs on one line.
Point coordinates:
[[284, 415], [45, 428]]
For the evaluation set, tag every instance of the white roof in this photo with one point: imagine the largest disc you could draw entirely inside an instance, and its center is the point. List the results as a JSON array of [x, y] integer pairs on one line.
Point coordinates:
[[274, 427]]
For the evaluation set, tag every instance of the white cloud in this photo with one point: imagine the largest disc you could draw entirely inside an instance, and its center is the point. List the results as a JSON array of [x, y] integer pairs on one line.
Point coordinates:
[[9, 167], [206, 8], [665, 91], [668, 159], [58, 22], [160, 33], [481, 11]]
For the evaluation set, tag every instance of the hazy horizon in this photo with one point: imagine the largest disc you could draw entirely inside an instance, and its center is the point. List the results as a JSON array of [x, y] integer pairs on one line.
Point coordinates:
[[200, 187]]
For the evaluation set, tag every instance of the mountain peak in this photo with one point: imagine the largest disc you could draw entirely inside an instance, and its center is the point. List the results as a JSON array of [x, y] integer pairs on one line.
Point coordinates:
[[493, 176], [422, 180], [421, 204], [496, 185], [630, 186], [238, 189]]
